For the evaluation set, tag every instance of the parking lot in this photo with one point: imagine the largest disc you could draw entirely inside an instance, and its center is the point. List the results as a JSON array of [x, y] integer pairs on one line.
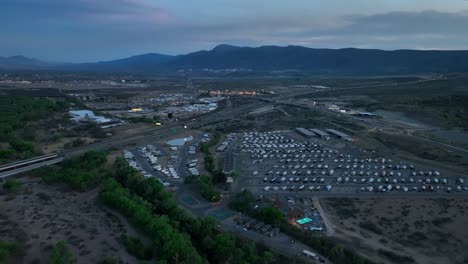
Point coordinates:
[[284, 161], [168, 164]]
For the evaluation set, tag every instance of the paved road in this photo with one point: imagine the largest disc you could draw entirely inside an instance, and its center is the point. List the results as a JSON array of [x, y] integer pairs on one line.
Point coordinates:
[[451, 147], [328, 224]]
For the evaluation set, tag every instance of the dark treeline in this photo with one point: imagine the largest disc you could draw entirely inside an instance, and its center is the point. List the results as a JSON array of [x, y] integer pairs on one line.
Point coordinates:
[[171, 244], [212, 245], [79, 173], [206, 183]]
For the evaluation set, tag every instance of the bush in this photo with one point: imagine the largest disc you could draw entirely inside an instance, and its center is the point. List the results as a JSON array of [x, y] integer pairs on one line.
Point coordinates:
[[395, 257], [80, 173], [61, 254], [207, 189], [371, 226], [6, 250], [136, 248], [141, 119], [270, 215], [440, 221], [109, 260], [11, 185], [242, 201]]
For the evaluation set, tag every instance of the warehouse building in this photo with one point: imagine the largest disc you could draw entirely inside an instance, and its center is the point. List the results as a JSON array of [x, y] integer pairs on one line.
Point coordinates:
[[304, 132], [339, 134], [319, 132], [86, 115]]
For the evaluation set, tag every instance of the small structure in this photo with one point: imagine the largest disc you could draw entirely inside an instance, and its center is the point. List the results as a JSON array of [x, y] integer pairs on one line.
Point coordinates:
[[309, 254], [303, 221], [136, 110], [365, 114], [222, 147]]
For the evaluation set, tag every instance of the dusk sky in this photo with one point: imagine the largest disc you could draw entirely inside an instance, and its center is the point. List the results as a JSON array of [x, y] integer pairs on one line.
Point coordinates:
[[91, 30]]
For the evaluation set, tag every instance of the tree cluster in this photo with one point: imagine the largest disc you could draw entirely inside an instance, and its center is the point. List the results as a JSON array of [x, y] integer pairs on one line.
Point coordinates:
[[61, 254], [212, 245], [172, 245], [206, 183], [207, 189], [79, 173], [17, 113], [136, 248], [143, 119]]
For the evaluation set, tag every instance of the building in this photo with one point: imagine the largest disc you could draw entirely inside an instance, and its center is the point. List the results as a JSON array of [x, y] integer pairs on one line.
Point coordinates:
[[304, 132], [319, 132], [309, 254], [136, 110], [365, 114], [87, 115], [339, 134]]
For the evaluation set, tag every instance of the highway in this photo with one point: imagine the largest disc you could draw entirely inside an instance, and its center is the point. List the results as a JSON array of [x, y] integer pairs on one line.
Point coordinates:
[[142, 137]]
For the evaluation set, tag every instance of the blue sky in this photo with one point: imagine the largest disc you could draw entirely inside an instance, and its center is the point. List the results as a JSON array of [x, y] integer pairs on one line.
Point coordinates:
[[91, 30]]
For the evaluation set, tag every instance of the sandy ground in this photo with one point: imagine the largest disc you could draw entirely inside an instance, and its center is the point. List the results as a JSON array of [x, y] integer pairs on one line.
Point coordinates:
[[39, 215], [428, 230]]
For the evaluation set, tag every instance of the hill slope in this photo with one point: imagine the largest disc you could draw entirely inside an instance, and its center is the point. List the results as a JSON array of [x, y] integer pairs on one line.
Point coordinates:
[[141, 63], [343, 61], [272, 58], [21, 62]]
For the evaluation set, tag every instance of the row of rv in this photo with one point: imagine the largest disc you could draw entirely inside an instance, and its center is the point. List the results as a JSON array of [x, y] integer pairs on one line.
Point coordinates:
[[298, 188], [150, 152], [287, 161], [345, 180], [380, 188], [192, 167], [423, 188], [130, 158]]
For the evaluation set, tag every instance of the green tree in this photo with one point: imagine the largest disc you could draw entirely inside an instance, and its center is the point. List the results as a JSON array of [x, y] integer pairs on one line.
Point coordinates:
[[224, 246], [270, 215], [61, 254], [109, 260]]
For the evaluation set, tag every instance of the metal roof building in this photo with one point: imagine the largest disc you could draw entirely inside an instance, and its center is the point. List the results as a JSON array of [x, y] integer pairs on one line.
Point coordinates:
[[79, 115], [304, 132], [338, 134], [319, 132]]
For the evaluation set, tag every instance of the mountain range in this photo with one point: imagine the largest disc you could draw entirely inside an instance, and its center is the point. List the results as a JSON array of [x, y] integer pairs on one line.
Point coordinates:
[[268, 58]]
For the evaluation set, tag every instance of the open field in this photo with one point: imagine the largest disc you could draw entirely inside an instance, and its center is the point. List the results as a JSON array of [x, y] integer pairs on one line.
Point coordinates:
[[38, 215], [426, 230]]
